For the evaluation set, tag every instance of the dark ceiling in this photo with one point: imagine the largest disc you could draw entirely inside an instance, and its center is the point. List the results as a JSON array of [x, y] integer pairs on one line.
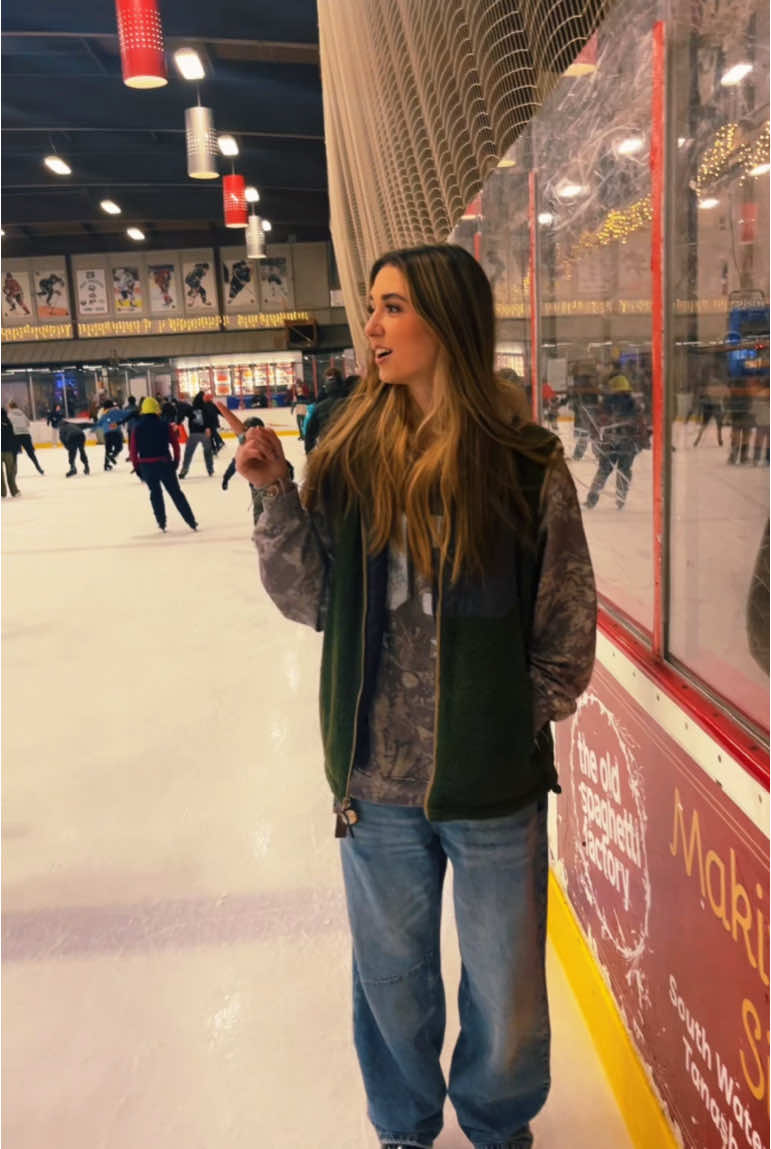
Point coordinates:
[[62, 91]]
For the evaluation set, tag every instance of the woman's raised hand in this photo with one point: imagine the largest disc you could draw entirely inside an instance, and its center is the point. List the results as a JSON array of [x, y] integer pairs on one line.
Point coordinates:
[[260, 458]]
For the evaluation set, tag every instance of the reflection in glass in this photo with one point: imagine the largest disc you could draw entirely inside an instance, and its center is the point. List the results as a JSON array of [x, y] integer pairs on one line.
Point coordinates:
[[720, 352], [594, 211]]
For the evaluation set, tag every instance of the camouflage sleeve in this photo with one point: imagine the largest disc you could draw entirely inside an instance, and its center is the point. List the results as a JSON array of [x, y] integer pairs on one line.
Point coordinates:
[[294, 553], [563, 639]]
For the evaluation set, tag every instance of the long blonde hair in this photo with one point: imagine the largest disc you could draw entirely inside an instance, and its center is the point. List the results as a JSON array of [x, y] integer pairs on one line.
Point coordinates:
[[460, 459]]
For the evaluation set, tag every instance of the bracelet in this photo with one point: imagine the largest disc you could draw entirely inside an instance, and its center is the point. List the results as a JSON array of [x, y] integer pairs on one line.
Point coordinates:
[[277, 487]]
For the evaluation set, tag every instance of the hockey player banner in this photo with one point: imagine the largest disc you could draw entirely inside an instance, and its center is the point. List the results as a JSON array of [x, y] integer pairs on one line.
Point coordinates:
[[239, 284], [17, 300], [164, 288], [127, 289], [669, 880], [51, 294], [276, 291], [200, 290]]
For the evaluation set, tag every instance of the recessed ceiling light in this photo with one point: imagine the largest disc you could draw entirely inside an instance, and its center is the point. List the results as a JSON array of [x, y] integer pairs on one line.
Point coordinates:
[[267, 225], [252, 195], [630, 146], [135, 233], [735, 75], [760, 169], [56, 164], [571, 191], [545, 218], [110, 206], [706, 204], [228, 145], [189, 64]]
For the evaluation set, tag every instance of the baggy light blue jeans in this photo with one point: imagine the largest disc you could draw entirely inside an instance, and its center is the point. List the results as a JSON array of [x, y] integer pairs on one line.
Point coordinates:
[[393, 869]]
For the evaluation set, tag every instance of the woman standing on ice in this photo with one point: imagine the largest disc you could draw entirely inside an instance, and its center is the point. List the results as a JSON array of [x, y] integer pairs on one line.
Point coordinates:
[[438, 543]]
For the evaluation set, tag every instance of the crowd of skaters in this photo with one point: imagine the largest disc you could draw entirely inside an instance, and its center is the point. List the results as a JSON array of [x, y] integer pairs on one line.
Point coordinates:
[[154, 430]]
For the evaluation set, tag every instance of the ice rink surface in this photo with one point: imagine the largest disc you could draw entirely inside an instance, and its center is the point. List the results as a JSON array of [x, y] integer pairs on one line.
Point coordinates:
[[176, 955]]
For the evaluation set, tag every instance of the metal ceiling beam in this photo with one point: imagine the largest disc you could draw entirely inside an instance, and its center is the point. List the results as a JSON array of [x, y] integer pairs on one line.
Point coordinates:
[[269, 49], [142, 129]]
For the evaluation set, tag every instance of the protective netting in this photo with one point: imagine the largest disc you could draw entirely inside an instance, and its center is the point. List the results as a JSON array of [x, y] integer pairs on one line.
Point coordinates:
[[422, 98]]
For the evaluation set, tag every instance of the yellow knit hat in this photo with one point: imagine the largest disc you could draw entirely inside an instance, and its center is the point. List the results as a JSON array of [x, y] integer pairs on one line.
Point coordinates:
[[150, 406]]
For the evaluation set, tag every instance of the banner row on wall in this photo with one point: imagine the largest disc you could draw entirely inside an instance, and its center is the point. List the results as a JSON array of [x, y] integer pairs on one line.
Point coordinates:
[[160, 292]]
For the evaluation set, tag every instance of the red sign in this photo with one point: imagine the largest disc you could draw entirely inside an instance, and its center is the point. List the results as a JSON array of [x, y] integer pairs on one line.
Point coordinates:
[[748, 222], [669, 880]]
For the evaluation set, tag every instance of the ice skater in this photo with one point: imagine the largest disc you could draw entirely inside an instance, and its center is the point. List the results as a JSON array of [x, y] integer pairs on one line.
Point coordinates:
[[73, 438], [623, 432], [9, 449], [201, 422], [21, 425], [110, 419], [709, 400], [155, 454]]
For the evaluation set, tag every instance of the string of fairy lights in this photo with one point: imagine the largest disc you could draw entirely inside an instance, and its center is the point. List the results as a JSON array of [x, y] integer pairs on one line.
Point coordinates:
[[727, 153], [617, 226]]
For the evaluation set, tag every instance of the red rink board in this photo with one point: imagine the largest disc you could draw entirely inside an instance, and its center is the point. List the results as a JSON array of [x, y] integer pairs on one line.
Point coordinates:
[[669, 880]]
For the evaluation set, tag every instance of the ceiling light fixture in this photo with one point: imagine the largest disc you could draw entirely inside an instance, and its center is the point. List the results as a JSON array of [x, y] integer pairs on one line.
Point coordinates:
[[234, 201], [760, 170], [140, 35], [228, 145], [135, 233], [56, 164], [630, 146], [110, 206], [709, 202], [735, 75], [201, 143], [255, 238], [571, 191], [545, 218], [252, 195], [189, 64]]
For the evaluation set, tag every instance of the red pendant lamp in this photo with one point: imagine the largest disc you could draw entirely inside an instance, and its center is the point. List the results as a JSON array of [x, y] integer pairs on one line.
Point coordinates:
[[234, 201], [141, 43]]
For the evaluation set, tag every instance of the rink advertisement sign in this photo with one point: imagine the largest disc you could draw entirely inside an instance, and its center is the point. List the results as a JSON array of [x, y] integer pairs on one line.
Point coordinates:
[[669, 880]]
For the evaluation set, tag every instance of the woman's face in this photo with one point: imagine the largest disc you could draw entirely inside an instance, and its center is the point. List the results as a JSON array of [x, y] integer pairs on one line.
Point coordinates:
[[404, 346]]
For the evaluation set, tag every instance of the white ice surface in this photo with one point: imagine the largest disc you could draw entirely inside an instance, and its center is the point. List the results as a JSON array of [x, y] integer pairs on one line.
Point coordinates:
[[176, 953]]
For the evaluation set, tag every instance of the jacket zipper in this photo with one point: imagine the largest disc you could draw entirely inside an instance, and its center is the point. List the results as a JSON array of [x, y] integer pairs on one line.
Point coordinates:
[[346, 817], [436, 683]]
